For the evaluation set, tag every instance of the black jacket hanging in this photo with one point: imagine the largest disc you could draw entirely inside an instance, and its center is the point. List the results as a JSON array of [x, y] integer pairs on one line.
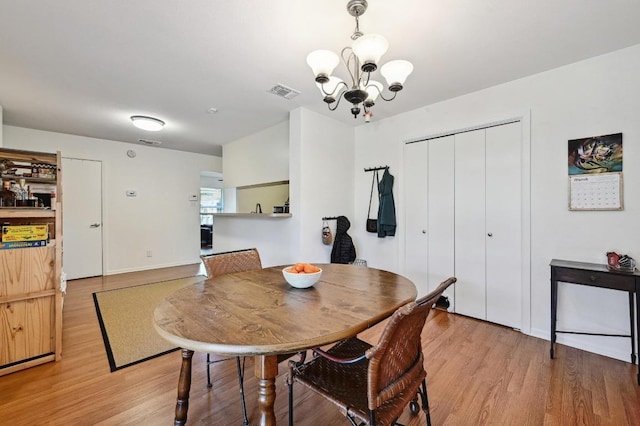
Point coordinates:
[[343, 250], [387, 207]]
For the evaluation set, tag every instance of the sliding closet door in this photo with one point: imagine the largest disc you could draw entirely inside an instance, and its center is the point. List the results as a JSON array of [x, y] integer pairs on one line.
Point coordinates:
[[504, 224], [440, 230], [470, 254], [415, 184]]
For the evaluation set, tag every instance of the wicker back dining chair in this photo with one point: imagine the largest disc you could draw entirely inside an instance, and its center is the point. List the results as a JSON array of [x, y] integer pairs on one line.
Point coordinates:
[[227, 263], [372, 385]]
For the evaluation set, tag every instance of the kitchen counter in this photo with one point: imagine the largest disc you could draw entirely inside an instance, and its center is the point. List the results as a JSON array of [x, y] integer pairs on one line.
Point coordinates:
[[254, 215]]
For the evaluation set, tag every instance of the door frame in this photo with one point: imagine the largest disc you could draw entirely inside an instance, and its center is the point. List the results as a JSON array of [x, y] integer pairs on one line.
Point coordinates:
[[524, 117], [103, 253]]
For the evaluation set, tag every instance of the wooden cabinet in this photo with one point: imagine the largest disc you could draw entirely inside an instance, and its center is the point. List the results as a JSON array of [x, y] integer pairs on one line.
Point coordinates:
[[30, 293]]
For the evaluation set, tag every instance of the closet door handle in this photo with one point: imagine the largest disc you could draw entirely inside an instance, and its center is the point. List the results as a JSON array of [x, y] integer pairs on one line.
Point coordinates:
[[94, 225]]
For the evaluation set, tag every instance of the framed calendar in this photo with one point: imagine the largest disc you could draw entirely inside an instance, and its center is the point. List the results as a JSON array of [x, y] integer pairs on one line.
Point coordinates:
[[602, 191]]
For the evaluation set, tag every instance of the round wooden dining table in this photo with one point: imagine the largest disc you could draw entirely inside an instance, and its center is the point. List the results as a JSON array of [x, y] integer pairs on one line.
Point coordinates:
[[257, 313]]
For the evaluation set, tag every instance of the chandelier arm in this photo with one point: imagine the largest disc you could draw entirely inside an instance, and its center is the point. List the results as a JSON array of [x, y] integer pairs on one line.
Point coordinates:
[[385, 99], [355, 74], [335, 90], [337, 101], [366, 83]]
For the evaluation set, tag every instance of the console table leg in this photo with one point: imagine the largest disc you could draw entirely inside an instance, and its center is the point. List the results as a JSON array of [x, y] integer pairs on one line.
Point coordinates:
[[637, 312], [554, 311], [184, 386], [632, 328]]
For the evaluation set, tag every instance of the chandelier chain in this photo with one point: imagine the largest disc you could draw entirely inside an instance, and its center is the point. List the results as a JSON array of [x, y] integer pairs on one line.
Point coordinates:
[[356, 33]]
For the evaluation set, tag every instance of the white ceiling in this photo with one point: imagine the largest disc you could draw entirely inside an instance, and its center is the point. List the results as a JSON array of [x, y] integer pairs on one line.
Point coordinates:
[[84, 66]]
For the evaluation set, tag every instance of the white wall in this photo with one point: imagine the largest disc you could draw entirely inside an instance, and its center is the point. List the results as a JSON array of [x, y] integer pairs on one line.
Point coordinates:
[[258, 158], [323, 158], [321, 184], [593, 97], [160, 218], [210, 180]]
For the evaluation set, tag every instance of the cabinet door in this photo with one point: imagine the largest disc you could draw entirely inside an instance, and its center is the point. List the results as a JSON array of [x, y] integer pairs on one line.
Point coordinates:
[[503, 224], [441, 210], [415, 184], [26, 329], [470, 294], [26, 271]]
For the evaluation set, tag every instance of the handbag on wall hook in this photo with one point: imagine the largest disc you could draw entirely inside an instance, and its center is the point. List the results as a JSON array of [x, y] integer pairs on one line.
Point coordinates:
[[327, 237], [372, 224]]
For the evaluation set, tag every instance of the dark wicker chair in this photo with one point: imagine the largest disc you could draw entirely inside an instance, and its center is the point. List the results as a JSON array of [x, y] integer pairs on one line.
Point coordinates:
[[228, 263], [371, 385]]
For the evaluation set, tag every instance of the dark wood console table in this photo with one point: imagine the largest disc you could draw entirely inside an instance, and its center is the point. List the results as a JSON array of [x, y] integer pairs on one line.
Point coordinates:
[[595, 275]]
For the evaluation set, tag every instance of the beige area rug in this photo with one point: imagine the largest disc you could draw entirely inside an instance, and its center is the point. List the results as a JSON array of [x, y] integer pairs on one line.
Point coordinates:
[[126, 316]]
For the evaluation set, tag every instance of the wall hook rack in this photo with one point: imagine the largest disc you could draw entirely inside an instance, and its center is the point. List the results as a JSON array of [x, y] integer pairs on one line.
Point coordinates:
[[373, 169]]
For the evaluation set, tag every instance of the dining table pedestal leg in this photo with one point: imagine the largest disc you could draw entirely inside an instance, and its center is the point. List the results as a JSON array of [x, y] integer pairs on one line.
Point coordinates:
[[266, 370], [184, 386]]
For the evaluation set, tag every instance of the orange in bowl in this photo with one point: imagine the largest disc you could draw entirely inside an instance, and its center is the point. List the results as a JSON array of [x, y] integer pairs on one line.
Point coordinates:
[[302, 275]]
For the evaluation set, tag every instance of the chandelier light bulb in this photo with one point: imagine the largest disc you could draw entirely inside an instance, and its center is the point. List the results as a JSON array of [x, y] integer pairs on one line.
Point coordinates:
[[396, 72], [369, 49], [147, 123], [322, 62]]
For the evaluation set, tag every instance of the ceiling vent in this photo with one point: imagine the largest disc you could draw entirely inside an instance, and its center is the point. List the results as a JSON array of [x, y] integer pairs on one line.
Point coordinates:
[[149, 142], [284, 91]]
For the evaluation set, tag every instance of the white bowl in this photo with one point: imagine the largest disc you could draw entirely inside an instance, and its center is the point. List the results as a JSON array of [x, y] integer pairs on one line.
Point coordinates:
[[301, 280]]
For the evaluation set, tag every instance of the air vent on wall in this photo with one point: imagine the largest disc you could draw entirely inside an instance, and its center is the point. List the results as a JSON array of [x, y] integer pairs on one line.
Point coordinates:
[[149, 142], [284, 91]]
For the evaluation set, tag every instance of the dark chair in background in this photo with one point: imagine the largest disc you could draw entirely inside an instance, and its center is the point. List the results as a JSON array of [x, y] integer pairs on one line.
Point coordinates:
[[228, 263], [371, 385], [206, 235]]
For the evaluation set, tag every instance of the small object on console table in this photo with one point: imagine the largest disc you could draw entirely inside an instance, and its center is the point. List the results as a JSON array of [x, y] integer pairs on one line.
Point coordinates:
[[620, 262]]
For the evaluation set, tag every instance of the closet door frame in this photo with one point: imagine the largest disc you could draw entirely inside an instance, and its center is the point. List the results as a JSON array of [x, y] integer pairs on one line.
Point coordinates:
[[524, 116]]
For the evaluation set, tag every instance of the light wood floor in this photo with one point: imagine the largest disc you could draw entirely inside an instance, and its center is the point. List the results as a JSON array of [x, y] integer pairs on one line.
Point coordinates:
[[478, 374]]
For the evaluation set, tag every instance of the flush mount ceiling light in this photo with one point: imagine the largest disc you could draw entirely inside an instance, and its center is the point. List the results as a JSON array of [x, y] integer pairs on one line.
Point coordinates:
[[147, 123], [360, 59]]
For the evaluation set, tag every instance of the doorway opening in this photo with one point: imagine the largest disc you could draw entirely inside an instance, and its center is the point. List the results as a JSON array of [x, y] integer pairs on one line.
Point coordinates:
[[211, 201]]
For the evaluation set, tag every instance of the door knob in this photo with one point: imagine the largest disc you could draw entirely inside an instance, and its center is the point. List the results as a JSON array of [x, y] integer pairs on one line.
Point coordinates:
[[424, 231], [490, 234], [94, 225]]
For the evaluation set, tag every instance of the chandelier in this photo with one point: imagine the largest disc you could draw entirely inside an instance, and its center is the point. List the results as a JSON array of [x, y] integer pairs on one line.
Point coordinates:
[[360, 59]]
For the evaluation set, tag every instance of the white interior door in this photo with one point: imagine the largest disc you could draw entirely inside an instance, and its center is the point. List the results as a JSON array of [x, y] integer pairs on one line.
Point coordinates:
[[441, 227], [415, 170], [504, 225], [470, 292], [82, 218]]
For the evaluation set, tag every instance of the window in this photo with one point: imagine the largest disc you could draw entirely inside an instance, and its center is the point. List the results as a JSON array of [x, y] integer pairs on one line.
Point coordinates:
[[210, 202]]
